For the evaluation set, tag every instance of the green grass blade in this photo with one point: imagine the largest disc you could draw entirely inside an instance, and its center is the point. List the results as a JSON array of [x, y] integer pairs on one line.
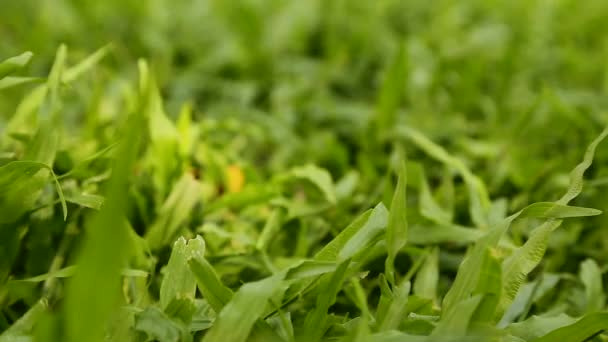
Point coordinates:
[[104, 250], [20, 183], [557, 211], [396, 308], [271, 228], [210, 285], [425, 284], [364, 237], [310, 268], [157, 326], [396, 232], [523, 260], [478, 194], [12, 64], [591, 277], [316, 320], [237, 318], [428, 207], [49, 108], [179, 282], [320, 178], [331, 250], [537, 326], [175, 212], [489, 285], [576, 175], [580, 331], [433, 234], [72, 73], [13, 81], [469, 271], [86, 200], [456, 322], [24, 326], [391, 92]]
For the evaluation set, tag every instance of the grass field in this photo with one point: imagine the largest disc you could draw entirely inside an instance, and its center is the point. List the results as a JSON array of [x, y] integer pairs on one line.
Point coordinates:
[[303, 170]]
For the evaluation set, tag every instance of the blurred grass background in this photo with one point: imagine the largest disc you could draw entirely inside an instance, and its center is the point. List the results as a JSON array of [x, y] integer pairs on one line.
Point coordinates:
[[507, 83], [515, 89]]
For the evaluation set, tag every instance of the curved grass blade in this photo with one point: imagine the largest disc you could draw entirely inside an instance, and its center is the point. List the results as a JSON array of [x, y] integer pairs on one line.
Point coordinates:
[[86, 200], [478, 194], [24, 325], [20, 183], [72, 73], [524, 259], [429, 208], [585, 328], [537, 326], [61, 273], [553, 210], [13, 81], [12, 64], [82, 164], [321, 178]]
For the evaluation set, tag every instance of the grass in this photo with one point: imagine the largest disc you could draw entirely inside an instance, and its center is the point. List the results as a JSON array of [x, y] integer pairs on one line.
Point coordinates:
[[322, 170]]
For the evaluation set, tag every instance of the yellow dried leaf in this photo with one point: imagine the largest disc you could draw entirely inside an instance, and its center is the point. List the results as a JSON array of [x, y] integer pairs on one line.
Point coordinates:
[[235, 178]]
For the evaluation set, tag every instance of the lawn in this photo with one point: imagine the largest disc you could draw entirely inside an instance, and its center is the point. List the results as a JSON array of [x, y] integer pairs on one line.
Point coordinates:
[[303, 170]]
